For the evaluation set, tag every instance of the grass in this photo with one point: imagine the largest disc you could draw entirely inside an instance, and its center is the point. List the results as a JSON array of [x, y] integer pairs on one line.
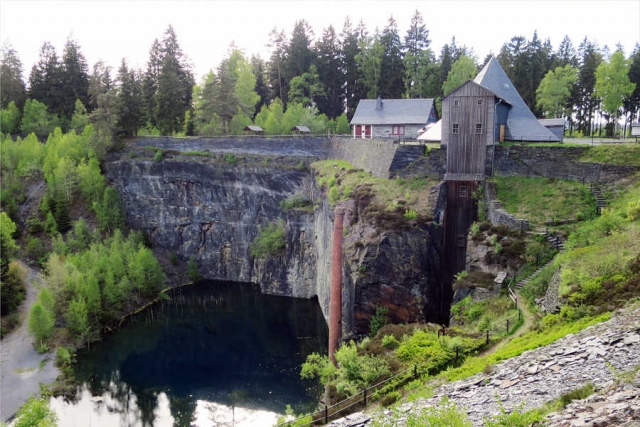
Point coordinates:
[[519, 345], [385, 200], [542, 199], [619, 154]]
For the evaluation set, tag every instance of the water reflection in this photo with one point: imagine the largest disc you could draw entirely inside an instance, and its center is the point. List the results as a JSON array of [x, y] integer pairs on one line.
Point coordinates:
[[215, 354]]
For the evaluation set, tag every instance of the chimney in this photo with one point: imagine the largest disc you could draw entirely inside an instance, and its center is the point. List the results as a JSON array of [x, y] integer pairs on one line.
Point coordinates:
[[379, 104]]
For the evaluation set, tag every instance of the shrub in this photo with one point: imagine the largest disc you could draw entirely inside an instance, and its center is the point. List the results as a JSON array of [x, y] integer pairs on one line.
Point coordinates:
[[391, 398], [193, 273], [410, 214], [158, 156], [633, 210], [378, 320], [297, 202], [230, 158], [35, 413], [334, 195], [389, 341], [270, 240]]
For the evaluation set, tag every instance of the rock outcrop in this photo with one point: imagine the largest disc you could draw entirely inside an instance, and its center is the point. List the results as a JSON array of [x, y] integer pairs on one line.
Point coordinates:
[[210, 209]]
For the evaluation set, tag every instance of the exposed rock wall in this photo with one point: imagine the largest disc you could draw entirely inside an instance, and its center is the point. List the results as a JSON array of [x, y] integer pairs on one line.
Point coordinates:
[[496, 214], [211, 211]]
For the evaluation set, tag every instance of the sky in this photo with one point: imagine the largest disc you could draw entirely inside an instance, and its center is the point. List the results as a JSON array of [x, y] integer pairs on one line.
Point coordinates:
[[116, 29]]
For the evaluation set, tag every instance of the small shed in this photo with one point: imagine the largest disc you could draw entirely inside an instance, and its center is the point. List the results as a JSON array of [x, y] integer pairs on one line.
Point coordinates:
[[257, 130], [300, 130], [556, 126]]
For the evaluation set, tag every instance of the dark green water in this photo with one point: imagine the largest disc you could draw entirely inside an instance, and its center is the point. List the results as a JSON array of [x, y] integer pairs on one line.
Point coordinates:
[[215, 354]]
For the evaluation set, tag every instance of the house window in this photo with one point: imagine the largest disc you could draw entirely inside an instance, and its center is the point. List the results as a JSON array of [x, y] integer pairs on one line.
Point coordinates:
[[479, 101], [456, 102], [397, 130], [456, 129], [478, 128], [462, 191]]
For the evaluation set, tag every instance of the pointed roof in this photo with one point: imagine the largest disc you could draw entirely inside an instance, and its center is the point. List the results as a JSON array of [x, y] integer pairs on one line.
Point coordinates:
[[522, 125]]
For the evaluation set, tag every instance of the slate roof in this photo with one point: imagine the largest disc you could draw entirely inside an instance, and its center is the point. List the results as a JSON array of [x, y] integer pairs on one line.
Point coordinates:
[[552, 122], [393, 112], [300, 128], [254, 128], [521, 123]]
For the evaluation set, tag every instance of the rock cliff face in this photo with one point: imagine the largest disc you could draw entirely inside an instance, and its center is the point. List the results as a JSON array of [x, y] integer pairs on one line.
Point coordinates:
[[212, 211]]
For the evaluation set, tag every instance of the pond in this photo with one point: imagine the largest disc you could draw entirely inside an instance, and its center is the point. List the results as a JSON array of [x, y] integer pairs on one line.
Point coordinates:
[[214, 354]]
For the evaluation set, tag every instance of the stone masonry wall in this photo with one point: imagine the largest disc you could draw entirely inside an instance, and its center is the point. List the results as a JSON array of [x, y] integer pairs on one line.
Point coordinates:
[[496, 214], [555, 162]]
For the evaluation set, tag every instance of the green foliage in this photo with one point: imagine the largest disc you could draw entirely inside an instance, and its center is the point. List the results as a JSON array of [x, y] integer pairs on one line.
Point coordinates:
[[358, 371], [230, 158], [41, 322], [577, 394], [410, 214], [10, 119], [613, 84], [390, 342], [618, 154], [554, 91], [193, 272], [462, 70], [334, 195], [318, 366], [444, 414], [36, 413], [12, 287], [517, 418], [378, 320], [110, 212], [36, 119], [158, 156], [297, 202], [270, 240], [522, 196]]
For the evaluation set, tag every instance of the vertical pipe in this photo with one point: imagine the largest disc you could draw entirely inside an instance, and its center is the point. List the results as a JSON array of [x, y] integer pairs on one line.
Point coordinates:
[[335, 296]]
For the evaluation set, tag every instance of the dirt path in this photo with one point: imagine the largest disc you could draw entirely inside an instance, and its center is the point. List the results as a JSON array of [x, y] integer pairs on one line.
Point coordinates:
[[524, 328], [22, 369]]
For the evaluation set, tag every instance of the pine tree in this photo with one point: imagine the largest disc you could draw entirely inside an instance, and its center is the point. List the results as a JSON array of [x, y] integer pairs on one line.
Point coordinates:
[[11, 85], [351, 43], [150, 81], [100, 82], [566, 54], [331, 74], [175, 84], [45, 82], [276, 72], [585, 101], [632, 102], [392, 70], [130, 101], [260, 72], [75, 78], [299, 54], [417, 56]]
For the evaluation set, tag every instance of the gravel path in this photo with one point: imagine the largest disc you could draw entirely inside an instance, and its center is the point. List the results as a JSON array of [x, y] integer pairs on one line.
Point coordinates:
[[22, 369]]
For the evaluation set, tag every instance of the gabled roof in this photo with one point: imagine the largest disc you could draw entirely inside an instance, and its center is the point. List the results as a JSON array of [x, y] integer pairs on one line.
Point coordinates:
[[253, 128], [521, 123], [393, 112], [481, 90]]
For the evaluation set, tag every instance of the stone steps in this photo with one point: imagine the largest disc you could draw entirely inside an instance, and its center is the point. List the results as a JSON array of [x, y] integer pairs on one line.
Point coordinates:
[[597, 193], [521, 284]]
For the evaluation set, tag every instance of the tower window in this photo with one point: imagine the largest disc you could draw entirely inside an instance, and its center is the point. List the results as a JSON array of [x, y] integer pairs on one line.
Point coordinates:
[[462, 191], [456, 129], [456, 102], [479, 101], [478, 128]]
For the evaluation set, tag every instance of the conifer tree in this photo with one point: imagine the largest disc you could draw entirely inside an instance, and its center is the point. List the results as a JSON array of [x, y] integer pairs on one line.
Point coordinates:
[[74, 76], [45, 80], [392, 69], [130, 101], [11, 84]]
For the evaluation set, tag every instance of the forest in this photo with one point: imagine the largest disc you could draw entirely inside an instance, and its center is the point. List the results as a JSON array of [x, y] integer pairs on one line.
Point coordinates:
[[311, 80]]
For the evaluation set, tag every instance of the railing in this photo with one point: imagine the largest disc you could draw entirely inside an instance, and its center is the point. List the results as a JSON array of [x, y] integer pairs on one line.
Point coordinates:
[[368, 394]]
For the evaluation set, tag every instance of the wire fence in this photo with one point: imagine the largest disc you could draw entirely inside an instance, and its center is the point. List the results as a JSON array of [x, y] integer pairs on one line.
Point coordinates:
[[370, 394]]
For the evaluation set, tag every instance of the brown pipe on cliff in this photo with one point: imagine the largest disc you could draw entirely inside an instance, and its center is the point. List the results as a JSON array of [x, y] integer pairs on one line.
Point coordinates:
[[335, 295]]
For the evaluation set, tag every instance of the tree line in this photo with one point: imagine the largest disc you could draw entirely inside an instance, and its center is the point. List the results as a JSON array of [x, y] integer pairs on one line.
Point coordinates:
[[324, 77]]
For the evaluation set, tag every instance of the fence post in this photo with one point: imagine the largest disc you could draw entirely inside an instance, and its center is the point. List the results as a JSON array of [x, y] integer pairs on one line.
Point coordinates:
[[415, 371], [365, 397], [457, 353], [519, 314], [487, 337], [507, 325], [326, 414]]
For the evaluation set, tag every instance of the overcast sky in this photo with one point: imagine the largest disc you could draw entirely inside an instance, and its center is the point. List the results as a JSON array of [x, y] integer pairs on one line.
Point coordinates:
[[112, 30]]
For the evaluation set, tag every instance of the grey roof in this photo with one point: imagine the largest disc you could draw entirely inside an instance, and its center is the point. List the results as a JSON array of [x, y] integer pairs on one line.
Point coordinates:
[[254, 128], [393, 112], [552, 122], [521, 123], [301, 128]]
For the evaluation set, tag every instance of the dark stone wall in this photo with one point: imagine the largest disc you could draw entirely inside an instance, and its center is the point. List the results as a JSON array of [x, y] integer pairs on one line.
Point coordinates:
[[555, 162]]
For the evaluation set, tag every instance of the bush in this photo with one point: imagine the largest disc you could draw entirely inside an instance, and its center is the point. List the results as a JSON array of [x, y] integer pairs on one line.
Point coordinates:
[[389, 341], [158, 156], [378, 320], [410, 214], [35, 413], [298, 202], [391, 398], [270, 240], [193, 273]]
